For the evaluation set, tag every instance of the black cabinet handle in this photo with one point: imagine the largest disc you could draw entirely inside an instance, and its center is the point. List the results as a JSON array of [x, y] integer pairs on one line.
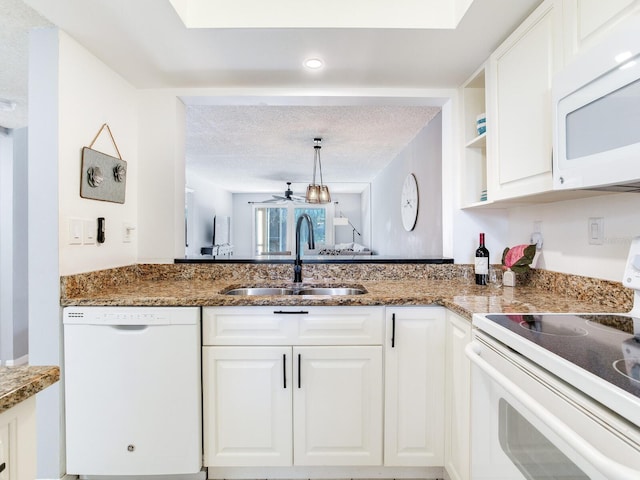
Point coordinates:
[[3, 466], [393, 330], [284, 369], [299, 369], [285, 312]]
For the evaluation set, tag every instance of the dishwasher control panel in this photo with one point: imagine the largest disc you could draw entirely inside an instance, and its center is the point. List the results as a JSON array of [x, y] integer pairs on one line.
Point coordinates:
[[130, 315]]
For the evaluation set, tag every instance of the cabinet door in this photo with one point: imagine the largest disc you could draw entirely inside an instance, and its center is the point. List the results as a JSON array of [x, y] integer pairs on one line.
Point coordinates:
[[521, 71], [338, 405], [247, 406], [458, 397], [414, 387], [588, 21]]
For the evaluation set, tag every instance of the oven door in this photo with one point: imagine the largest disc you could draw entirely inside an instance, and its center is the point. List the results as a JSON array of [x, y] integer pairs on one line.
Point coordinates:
[[527, 424]]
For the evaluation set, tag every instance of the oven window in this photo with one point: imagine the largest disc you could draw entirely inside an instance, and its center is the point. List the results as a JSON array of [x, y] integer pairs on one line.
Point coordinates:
[[534, 455]]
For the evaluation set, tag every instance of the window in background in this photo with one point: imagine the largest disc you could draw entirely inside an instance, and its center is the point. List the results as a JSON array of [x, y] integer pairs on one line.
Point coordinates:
[[271, 230], [274, 227]]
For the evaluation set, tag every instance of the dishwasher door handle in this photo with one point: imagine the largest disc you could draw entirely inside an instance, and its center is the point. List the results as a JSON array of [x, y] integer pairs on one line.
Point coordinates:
[[129, 328]]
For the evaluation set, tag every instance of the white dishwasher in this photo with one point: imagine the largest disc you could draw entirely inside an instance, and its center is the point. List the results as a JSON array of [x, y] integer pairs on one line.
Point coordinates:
[[132, 391]]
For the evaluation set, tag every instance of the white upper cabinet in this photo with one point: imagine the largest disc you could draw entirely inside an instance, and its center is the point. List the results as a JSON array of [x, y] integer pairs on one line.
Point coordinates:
[[587, 21], [519, 105]]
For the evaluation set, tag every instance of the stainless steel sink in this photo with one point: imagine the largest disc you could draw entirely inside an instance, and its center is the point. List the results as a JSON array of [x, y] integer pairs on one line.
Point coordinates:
[[294, 290], [260, 291], [332, 291]]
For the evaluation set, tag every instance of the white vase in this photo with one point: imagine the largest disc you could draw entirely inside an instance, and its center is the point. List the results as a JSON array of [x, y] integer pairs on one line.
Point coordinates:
[[509, 279]]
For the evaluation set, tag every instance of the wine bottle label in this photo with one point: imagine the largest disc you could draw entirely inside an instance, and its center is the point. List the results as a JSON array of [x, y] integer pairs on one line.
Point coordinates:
[[482, 265]]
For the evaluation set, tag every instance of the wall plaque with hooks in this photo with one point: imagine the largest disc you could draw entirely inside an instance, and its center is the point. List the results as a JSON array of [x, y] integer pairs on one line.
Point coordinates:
[[103, 177]]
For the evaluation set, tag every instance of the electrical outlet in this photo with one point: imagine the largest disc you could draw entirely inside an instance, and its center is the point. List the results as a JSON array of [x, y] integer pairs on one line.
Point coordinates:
[[595, 230], [536, 236]]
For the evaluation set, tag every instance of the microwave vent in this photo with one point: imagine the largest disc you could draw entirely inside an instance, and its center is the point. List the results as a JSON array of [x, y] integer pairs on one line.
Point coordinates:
[[623, 188]]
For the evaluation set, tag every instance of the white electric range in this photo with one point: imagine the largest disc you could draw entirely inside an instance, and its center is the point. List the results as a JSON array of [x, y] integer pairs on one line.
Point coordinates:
[[557, 396]]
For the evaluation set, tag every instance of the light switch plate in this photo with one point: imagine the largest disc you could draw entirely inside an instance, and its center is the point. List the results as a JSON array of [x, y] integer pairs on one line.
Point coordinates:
[[127, 232], [90, 229], [75, 231]]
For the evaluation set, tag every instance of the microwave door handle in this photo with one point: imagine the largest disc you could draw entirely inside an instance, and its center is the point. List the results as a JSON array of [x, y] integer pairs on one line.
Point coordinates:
[[602, 463]]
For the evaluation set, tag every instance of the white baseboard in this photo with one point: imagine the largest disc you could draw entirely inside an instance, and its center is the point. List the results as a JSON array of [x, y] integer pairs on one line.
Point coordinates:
[[66, 477], [23, 360], [201, 475], [326, 473]]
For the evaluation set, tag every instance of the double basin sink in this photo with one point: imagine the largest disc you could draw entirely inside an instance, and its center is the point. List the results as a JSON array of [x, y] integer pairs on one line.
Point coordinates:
[[297, 290]]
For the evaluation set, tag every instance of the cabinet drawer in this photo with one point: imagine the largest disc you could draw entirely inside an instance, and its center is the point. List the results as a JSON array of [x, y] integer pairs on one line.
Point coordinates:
[[292, 325], [341, 326], [249, 325]]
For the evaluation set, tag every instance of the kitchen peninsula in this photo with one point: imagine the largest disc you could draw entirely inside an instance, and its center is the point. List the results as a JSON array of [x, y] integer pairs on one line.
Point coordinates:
[[414, 316]]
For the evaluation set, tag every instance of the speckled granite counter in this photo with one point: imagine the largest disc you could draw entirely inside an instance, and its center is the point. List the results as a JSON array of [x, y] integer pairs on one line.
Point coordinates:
[[21, 382], [446, 285]]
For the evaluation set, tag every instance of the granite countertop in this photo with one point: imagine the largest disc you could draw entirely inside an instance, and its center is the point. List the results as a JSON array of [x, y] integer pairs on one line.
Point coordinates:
[[457, 294], [21, 382]]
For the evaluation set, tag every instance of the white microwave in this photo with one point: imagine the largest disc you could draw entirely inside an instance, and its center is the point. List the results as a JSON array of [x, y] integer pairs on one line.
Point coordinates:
[[596, 105]]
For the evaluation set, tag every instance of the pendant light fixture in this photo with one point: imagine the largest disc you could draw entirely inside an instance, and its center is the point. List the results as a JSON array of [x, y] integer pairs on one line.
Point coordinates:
[[317, 193]]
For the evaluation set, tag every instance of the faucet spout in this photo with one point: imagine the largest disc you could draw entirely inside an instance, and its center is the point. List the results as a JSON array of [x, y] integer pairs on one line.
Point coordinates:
[[297, 265]]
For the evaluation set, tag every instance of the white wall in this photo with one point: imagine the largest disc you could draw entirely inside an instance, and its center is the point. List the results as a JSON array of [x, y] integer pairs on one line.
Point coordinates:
[[423, 158], [161, 196], [564, 228], [350, 205], [90, 94], [208, 201]]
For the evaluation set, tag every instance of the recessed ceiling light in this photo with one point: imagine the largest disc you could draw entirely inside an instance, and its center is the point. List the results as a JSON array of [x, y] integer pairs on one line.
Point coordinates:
[[7, 105], [313, 63]]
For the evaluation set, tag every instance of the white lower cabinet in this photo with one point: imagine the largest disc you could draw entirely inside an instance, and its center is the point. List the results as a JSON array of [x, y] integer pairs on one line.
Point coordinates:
[[458, 397], [247, 399], [18, 441], [337, 406], [414, 386], [310, 403], [306, 405]]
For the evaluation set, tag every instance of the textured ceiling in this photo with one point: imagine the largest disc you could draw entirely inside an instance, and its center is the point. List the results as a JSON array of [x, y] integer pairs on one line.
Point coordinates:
[[271, 145], [15, 21]]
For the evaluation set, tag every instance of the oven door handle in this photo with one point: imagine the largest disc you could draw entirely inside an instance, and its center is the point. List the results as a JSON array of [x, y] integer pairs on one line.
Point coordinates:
[[602, 463]]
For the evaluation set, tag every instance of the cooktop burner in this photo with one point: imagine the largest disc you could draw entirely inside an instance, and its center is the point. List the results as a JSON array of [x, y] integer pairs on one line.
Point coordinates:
[[533, 323], [607, 346]]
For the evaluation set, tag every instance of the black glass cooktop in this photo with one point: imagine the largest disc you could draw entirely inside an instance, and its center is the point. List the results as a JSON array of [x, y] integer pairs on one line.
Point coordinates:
[[608, 346]]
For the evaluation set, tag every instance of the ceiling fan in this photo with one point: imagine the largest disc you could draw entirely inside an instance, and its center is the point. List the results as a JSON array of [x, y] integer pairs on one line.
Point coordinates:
[[288, 196]]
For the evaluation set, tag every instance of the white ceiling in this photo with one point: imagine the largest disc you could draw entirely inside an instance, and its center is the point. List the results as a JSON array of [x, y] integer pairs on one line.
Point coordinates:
[[147, 43]]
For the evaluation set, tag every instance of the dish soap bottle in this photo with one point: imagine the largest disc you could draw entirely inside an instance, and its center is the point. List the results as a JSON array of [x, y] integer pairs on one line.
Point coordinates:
[[482, 263]]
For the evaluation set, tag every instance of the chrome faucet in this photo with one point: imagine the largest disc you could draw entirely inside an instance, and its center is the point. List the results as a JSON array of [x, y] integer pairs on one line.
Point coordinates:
[[297, 265]]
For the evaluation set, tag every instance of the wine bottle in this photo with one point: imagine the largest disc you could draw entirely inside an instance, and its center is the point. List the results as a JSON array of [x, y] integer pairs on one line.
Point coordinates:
[[482, 263]]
